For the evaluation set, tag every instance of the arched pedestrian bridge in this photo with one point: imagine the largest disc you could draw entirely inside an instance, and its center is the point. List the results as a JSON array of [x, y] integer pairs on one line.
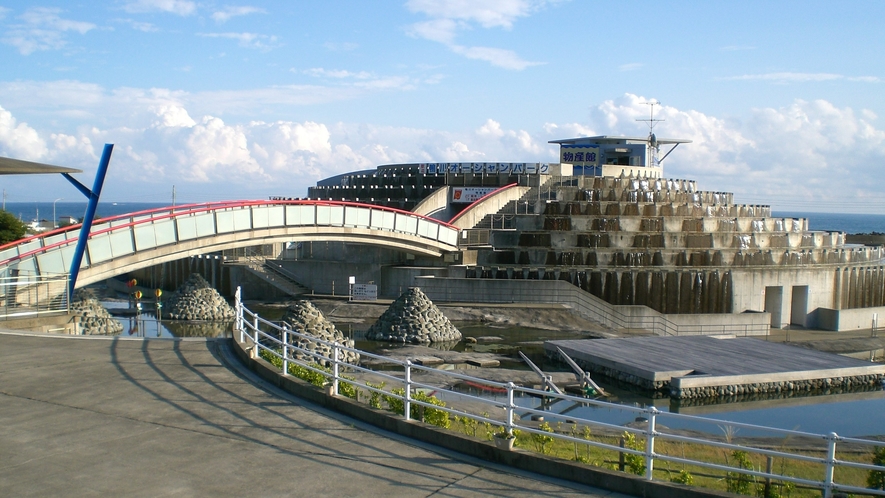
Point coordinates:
[[128, 242]]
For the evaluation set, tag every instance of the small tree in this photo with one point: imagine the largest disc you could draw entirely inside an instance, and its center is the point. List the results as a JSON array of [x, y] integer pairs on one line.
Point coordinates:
[[876, 478], [11, 228]]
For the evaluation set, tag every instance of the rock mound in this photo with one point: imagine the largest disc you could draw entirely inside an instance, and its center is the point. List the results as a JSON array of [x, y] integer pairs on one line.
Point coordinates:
[[305, 318], [197, 300], [94, 319], [413, 319]]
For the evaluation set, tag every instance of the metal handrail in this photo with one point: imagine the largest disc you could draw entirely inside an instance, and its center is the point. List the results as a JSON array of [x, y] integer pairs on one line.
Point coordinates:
[[249, 332]]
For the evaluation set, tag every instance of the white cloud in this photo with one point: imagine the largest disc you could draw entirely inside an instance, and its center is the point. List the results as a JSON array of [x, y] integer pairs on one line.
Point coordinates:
[[227, 13], [340, 46], [18, 140], [248, 40], [42, 28], [180, 7], [788, 77], [633, 66], [506, 59], [805, 156], [336, 73], [448, 18], [489, 13]]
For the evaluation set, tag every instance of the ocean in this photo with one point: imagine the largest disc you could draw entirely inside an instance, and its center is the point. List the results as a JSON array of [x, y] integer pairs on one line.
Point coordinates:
[[30, 211]]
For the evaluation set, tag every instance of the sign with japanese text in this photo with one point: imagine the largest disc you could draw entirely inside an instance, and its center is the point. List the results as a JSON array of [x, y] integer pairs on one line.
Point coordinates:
[[470, 194], [364, 292], [573, 154], [484, 168]]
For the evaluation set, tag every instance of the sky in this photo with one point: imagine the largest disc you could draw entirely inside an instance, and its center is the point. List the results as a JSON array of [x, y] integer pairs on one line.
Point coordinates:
[[783, 101]]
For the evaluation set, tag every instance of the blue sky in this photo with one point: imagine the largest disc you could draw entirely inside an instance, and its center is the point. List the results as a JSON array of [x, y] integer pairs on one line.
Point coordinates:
[[782, 100]]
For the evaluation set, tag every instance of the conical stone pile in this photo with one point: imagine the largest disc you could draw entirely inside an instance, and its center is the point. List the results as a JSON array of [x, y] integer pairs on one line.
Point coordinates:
[[413, 319], [94, 319], [197, 300], [305, 318]]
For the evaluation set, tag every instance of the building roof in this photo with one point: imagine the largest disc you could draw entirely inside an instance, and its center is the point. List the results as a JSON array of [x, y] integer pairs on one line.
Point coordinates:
[[604, 138], [9, 166]]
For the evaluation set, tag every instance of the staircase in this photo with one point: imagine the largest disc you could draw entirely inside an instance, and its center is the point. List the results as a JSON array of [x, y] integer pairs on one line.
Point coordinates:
[[272, 272]]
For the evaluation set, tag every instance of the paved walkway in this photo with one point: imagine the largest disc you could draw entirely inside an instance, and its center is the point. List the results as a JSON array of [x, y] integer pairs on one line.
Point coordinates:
[[123, 417]]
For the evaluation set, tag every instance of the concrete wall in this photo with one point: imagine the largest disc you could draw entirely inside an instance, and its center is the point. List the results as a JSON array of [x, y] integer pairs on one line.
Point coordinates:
[[391, 279], [491, 204], [435, 205], [750, 292], [478, 290], [845, 320]]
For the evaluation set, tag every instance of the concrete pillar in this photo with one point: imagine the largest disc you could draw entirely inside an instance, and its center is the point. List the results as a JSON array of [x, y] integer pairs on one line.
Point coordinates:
[[697, 293], [727, 293], [641, 286], [671, 292], [713, 291], [685, 292], [626, 288], [837, 289], [656, 294], [846, 288], [612, 289], [852, 289], [596, 284]]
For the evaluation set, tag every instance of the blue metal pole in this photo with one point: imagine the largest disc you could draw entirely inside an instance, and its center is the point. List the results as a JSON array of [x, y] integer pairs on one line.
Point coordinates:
[[93, 196]]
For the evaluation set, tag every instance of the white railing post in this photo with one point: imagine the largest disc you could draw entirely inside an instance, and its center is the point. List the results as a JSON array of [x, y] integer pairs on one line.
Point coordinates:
[[239, 319], [407, 396], [335, 357], [285, 350], [255, 347], [650, 444], [510, 407], [830, 464]]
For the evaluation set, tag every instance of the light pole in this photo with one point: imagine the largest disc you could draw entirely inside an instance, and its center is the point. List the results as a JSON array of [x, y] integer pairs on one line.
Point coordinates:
[[54, 218]]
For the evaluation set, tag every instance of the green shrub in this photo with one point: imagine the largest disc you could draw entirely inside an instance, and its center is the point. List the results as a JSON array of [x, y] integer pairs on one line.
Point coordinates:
[[876, 478], [635, 463], [439, 418], [738, 482], [542, 442], [375, 396], [684, 477]]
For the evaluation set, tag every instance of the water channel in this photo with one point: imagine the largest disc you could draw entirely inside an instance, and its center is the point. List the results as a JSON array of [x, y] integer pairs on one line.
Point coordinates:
[[854, 413]]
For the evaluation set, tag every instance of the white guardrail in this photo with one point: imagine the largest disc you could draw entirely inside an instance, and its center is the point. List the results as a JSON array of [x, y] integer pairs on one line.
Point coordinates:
[[280, 342]]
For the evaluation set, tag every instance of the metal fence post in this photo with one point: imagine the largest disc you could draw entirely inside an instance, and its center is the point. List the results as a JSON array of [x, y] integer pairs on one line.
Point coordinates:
[[285, 350], [830, 464], [407, 396], [509, 418], [335, 357], [650, 444], [255, 348], [239, 318]]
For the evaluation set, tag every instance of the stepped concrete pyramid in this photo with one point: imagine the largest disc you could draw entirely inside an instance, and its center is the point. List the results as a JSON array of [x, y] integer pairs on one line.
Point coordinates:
[[305, 318], [413, 319]]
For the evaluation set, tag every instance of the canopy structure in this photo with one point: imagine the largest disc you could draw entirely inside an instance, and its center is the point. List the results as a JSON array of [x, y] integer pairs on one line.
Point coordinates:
[[9, 166]]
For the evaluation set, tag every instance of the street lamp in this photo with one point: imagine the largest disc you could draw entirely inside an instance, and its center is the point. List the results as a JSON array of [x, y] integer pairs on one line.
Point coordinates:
[[54, 218]]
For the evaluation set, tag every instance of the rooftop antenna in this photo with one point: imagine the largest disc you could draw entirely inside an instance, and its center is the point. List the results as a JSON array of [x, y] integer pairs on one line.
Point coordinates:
[[653, 146]]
